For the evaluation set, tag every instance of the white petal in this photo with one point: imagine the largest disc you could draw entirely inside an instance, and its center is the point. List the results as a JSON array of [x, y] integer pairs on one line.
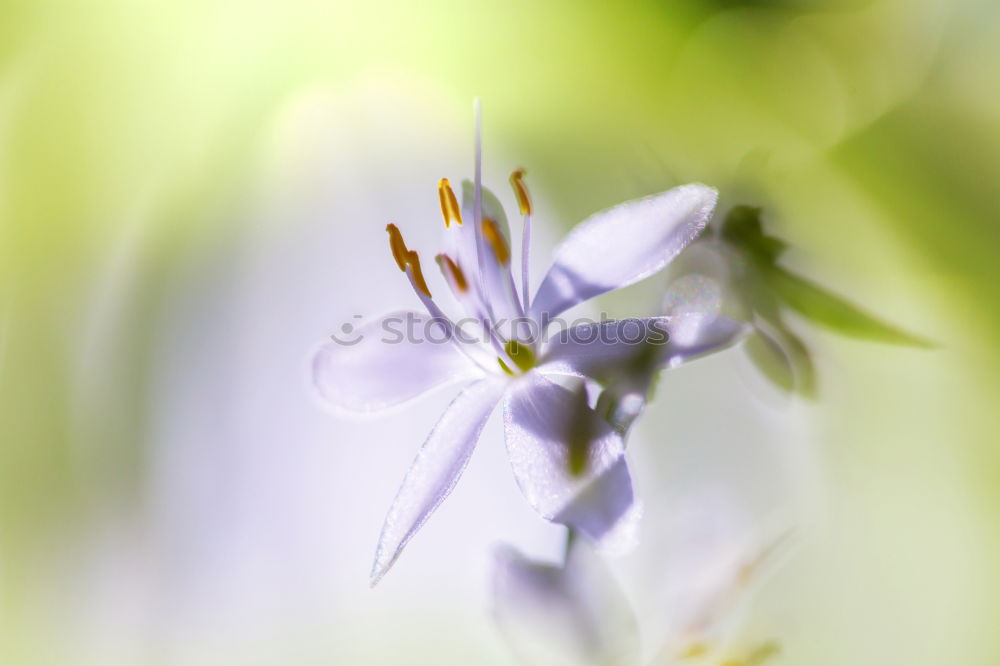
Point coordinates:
[[693, 336], [387, 362], [608, 350], [629, 349], [622, 245], [570, 615], [540, 418], [606, 511], [497, 279], [436, 469]]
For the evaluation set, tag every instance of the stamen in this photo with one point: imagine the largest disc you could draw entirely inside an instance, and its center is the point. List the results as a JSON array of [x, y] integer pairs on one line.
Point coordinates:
[[449, 204], [398, 247], [521, 191], [496, 241], [453, 271], [524, 204], [418, 275], [505, 367]]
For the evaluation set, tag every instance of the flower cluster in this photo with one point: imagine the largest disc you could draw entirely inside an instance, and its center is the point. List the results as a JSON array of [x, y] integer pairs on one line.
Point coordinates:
[[569, 399]]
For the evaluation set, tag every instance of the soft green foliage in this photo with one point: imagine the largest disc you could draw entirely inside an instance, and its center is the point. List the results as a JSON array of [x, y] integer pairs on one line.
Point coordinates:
[[767, 290], [136, 137]]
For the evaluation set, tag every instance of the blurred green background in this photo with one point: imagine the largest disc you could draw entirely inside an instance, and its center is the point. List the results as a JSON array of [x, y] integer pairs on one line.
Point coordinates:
[[133, 134]]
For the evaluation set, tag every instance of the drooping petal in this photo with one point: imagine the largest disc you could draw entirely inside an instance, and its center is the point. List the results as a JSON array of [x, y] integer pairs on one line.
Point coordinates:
[[569, 615], [387, 362], [622, 245], [543, 423], [436, 469]]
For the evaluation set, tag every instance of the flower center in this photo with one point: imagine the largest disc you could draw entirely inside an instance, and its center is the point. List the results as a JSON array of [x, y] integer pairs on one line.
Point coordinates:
[[521, 355]]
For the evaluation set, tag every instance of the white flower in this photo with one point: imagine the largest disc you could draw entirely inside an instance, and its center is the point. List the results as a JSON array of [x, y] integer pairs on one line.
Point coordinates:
[[568, 461], [575, 614]]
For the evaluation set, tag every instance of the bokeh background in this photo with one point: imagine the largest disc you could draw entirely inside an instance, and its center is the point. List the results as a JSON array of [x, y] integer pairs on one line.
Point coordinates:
[[193, 195]]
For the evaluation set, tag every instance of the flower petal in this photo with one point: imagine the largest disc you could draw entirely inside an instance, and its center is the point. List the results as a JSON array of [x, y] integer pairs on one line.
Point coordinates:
[[569, 615], [611, 351], [608, 349], [694, 335], [541, 421], [622, 245], [436, 469], [387, 362], [625, 356], [498, 283], [606, 511]]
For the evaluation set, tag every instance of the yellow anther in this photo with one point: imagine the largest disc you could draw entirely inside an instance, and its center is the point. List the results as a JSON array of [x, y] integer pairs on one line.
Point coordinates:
[[418, 275], [397, 246], [449, 204], [496, 241], [521, 191], [453, 270], [505, 367]]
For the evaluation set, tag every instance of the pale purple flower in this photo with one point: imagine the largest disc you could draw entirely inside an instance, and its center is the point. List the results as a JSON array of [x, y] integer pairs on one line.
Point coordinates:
[[575, 613], [568, 461], [569, 614]]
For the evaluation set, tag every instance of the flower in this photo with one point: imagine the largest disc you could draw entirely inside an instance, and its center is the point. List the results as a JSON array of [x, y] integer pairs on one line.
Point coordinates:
[[575, 614], [568, 461], [568, 614]]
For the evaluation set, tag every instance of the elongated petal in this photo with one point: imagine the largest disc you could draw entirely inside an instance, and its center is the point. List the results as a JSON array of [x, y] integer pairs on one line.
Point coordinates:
[[626, 363], [542, 422], [498, 284], [602, 350], [436, 470], [622, 245], [387, 362], [615, 350], [569, 615]]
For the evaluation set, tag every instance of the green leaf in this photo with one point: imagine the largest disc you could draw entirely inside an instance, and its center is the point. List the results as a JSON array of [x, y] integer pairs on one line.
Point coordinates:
[[827, 309]]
